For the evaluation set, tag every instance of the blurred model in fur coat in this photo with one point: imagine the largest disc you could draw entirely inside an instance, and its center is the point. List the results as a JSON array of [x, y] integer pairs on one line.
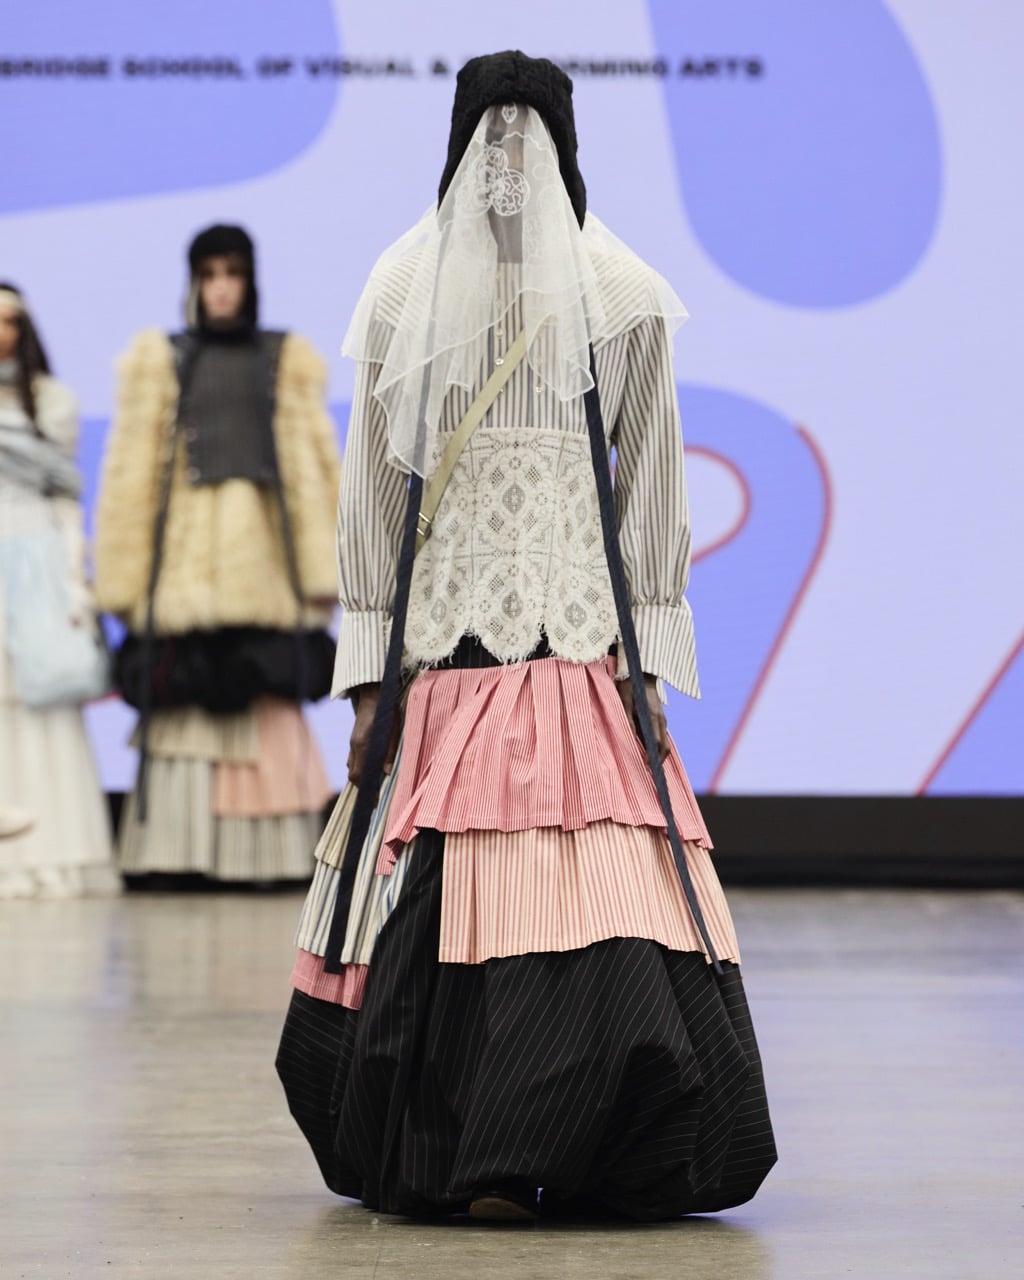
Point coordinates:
[[215, 547]]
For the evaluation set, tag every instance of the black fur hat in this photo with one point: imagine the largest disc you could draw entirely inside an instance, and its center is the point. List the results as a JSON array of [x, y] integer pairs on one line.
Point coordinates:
[[217, 242], [513, 77]]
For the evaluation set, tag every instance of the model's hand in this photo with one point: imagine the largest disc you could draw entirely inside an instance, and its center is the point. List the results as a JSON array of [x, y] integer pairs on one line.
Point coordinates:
[[654, 706], [365, 699]]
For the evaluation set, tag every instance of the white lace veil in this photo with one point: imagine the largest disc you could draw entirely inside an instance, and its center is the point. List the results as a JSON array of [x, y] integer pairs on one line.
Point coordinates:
[[505, 217]]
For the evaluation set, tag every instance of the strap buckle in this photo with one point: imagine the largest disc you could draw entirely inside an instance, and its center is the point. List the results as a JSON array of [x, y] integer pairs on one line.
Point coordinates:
[[423, 524]]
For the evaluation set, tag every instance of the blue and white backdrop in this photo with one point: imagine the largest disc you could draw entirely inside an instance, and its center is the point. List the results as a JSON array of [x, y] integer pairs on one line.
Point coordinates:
[[832, 188]]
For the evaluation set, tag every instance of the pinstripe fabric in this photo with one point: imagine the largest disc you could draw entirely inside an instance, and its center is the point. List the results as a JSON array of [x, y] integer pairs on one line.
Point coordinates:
[[313, 1063], [346, 988], [331, 848], [373, 897], [315, 920], [371, 506], [532, 891], [182, 834], [508, 894], [635, 376], [539, 889], [620, 1072], [534, 744], [372, 902]]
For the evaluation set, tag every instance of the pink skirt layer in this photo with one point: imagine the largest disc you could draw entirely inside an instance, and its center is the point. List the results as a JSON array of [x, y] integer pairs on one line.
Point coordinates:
[[545, 890], [532, 744], [288, 775], [513, 893], [345, 988]]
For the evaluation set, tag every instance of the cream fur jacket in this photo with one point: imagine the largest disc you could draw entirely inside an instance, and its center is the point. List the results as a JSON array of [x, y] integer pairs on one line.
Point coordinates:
[[224, 561]]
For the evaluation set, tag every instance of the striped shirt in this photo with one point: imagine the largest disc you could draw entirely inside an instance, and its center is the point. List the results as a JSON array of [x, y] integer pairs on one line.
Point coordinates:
[[516, 546]]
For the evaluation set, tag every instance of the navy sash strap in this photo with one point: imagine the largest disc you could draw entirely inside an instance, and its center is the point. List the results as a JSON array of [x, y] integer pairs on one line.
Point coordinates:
[[627, 631], [380, 733]]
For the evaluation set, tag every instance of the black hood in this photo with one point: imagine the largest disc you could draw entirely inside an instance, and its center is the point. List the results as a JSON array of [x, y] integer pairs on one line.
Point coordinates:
[[217, 242], [498, 78]]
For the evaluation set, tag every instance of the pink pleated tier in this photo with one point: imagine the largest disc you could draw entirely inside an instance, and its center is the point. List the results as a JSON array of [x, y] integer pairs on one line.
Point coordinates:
[[288, 775], [513, 893], [533, 744], [345, 988], [544, 890]]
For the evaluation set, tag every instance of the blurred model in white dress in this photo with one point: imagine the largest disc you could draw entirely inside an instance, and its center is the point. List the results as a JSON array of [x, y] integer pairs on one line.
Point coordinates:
[[53, 815]]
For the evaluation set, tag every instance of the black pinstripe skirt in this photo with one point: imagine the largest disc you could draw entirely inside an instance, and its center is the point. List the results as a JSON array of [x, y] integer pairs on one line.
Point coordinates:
[[621, 1076]]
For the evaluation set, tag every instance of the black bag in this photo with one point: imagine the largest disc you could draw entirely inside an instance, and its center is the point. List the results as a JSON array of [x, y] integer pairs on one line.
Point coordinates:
[[227, 669]]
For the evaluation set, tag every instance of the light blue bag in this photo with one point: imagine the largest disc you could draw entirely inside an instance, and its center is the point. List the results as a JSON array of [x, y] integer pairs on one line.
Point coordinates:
[[52, 661]]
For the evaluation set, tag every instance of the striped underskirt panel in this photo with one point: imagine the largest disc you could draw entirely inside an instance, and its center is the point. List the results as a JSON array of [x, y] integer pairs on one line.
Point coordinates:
[[522, 892]]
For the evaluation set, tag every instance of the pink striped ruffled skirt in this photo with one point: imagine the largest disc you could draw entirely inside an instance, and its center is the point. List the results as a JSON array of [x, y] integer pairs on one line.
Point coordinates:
[[534, 744], [555, 838]]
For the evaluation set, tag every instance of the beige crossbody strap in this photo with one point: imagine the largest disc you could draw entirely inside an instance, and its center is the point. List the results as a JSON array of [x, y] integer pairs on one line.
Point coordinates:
[[433, 491]]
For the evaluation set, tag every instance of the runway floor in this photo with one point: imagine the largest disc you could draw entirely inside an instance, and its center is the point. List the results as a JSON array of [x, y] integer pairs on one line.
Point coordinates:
[[143, 1132]]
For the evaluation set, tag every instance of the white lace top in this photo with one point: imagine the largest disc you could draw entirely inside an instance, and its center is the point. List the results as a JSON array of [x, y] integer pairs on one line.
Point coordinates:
[[516, 548]]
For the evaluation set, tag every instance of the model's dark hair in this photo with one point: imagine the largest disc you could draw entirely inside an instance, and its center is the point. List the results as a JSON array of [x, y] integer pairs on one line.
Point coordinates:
[[30, 354], [222, 240]]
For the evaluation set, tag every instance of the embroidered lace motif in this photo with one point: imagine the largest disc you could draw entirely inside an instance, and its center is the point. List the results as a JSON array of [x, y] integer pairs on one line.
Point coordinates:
[[515, 549], [494, 184]]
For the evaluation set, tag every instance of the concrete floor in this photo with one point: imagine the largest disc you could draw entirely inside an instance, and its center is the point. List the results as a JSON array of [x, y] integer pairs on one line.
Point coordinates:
[[143, 1133]]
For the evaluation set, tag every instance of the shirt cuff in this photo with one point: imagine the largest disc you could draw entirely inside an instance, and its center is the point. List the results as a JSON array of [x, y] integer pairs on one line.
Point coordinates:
[[362, 650], [664, 634]]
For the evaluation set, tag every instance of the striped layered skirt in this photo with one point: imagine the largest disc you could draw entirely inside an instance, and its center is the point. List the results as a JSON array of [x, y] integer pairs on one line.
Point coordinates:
[[523, 991], [233, 797]]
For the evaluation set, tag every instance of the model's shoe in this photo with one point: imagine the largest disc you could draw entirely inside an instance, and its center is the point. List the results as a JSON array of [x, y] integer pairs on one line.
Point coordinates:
[[572, 1207], [513, 1200], [14, 822]]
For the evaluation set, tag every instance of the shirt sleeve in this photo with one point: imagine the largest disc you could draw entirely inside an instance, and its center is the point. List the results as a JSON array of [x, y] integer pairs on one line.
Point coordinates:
[[653, 512], [371, 507]]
